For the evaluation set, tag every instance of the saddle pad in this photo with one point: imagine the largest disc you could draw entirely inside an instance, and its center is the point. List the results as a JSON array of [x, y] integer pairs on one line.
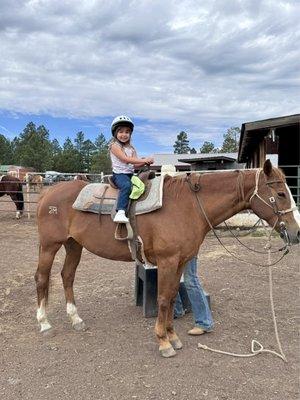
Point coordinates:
[[89, 199]]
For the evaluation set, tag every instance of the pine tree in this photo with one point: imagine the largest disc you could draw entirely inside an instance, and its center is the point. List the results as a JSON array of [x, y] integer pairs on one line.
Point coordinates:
[[79, 145], [69, 160], [6, 150], [101, 143], [33, 148], [56, 154], [100, 158], [231, 139], [181, 145], [88, 149], [207, 147]]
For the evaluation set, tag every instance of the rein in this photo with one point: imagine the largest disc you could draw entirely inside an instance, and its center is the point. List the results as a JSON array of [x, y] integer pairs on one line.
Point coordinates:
[[195, 188]]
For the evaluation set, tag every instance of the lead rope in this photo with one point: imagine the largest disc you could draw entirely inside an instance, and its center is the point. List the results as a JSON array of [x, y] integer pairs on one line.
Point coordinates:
[[256, 346]]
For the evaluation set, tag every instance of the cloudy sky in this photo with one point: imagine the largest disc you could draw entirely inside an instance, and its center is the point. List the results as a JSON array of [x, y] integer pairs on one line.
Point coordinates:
[[198, 66]]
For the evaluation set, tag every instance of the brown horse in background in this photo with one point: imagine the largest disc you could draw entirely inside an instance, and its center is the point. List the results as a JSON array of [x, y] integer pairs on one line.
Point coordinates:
[[171, 235], [12, 186]]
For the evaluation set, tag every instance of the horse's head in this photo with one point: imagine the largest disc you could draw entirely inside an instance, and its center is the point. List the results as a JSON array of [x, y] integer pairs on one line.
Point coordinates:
[[272, 201]]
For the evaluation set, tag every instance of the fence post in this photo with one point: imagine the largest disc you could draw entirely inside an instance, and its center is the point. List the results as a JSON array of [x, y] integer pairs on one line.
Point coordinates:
[[27, 197]]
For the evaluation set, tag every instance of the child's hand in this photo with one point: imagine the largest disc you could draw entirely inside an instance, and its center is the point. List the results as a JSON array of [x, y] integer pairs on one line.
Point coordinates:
[[149, 160]]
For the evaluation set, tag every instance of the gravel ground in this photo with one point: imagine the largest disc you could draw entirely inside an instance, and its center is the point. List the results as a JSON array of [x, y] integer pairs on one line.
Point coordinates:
[[117, 357]]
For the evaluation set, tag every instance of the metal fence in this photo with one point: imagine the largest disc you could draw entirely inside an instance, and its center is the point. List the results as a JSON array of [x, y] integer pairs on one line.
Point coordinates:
[[36, 181], [292, 174]]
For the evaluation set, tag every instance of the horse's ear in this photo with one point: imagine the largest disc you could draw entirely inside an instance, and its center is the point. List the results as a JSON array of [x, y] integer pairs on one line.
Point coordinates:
[[268, 167]]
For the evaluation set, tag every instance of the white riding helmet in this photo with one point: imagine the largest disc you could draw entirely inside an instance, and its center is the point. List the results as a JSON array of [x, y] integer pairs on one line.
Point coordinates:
[[121, 120]]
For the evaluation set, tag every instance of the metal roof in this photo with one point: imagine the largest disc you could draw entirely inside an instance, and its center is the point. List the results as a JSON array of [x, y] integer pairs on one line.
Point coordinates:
[[177, 159], [213, 157]]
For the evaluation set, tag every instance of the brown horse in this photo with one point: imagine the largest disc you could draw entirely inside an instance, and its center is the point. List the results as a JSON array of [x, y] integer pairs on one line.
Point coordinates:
[[12, 186], [171, 235]]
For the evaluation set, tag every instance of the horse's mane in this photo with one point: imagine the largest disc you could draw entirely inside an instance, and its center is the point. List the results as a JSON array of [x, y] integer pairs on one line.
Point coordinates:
[[280, 173], [176, 184]]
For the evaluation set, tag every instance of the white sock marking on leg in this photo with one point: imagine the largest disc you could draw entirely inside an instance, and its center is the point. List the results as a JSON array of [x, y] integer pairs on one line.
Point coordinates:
[[73, 314], [42, 317]]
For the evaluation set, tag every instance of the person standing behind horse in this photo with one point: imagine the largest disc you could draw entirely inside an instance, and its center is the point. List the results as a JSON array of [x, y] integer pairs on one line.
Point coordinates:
[[124, 160], [200, 307]]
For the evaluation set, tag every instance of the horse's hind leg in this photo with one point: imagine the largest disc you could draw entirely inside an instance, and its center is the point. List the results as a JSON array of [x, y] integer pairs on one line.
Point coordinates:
[[46, 257], [73, 255]]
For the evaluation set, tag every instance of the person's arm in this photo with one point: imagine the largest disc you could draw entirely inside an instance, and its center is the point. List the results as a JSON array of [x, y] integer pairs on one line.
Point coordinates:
[[117, 151], [138, 165]]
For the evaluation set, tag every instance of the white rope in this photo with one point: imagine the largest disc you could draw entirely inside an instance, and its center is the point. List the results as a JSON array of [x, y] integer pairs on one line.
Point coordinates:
[[256, 347]]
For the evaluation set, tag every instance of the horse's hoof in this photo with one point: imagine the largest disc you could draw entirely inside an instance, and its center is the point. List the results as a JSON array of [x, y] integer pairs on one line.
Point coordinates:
[[167, 352], [48, 333], [80, 327], [176, 344]]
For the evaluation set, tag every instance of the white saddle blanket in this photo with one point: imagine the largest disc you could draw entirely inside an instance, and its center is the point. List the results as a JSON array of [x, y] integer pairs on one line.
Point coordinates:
[[89, 199]]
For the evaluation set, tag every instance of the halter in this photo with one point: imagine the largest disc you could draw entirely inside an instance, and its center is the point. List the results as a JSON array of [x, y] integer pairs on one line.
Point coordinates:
[[272, 199]]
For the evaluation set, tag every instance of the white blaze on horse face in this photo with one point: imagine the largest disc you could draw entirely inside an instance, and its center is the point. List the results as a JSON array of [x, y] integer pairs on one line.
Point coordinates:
[[73, 314], [296, 213], [42, 318]]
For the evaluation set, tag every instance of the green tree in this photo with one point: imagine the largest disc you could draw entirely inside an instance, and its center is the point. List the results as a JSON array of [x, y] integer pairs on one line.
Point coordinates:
[[79, 145], [231, 140], [87, 151], [6, 150], [207, 147], [100, 159], [69, 159], [33, 148], [193, 150], [101, 143], [56, 153], [181, 145]]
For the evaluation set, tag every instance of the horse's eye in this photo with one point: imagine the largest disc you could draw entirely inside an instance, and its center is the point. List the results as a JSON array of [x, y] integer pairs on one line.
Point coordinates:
[[281, 194]]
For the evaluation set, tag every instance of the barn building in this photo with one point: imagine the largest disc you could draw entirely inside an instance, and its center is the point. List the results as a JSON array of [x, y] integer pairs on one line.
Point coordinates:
[[277, 136]]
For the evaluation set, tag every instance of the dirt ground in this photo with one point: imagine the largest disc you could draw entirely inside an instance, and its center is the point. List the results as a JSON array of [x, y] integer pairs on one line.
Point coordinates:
[[117, 357]]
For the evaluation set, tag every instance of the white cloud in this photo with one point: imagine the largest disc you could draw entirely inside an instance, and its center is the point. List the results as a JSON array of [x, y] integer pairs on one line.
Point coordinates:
[[173, 63]]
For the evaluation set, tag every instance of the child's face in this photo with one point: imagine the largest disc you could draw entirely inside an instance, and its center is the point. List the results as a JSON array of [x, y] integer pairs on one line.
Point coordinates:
[[123, 134]]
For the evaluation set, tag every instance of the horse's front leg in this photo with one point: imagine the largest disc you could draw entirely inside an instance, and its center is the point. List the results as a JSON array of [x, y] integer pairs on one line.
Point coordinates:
[[46, 257], [172, 335], [168, 284]]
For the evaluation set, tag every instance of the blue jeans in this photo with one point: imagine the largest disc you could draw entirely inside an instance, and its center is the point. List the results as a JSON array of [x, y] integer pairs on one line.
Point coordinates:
[[200, 307], [123, 182]]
